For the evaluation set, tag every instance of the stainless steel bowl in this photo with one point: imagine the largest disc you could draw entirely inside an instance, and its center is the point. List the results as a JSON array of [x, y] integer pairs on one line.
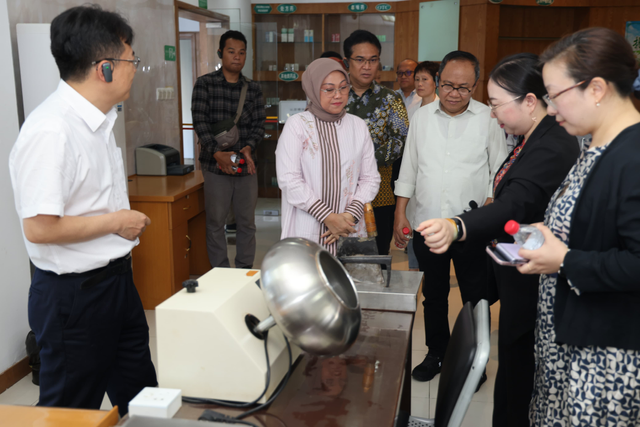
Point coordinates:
[[311, 296]]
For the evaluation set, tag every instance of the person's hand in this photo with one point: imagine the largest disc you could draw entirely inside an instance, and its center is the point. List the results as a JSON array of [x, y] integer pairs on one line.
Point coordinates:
[[224, 161], [489, 201], [131, 224], [251, 166], [546, 259], [399, 223], [338, 225], [438, 234], [330, 237]]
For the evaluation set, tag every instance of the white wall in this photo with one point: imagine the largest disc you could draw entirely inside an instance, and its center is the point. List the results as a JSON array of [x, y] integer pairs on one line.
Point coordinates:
[[239, 12], [14, 261]]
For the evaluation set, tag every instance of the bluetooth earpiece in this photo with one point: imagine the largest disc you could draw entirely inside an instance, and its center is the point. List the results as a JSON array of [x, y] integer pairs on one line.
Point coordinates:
[[219, 52], [345, 61], [107, 72]]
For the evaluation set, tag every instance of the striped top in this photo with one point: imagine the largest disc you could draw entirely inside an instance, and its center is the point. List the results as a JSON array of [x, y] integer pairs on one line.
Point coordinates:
[[324, 168]]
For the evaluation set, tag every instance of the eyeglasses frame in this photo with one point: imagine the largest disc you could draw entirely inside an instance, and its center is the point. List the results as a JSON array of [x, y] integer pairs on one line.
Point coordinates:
[[495, 107], [549, 99], [135, 61]]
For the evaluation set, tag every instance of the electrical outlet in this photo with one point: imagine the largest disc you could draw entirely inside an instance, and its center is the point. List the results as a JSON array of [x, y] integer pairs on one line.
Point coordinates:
[[156, 402]]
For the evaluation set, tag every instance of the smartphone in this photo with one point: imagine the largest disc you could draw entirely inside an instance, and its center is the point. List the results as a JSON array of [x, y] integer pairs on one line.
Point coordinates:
[[506, 254]]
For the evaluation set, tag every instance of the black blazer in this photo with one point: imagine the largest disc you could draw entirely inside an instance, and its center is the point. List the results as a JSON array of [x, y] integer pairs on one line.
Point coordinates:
[[522, 195], [604, 257]]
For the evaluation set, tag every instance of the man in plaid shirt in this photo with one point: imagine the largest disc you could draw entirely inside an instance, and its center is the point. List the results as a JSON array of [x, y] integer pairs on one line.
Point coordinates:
[[215, 98]]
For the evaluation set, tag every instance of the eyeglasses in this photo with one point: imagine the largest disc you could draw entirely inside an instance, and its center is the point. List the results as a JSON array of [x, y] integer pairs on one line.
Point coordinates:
[[362, 61], [343, 90], [135, 62], [549, 99], [404, 73], [495, 107], [463, 91]]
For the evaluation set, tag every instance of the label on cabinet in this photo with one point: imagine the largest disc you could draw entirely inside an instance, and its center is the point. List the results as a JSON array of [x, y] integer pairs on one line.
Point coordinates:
[[383, 7], [204, 4], [287, 8], [357, 7], [262, 9], [288, 76], [544, 2]]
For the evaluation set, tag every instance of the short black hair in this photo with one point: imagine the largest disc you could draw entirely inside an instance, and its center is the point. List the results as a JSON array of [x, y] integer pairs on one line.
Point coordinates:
[[359, 37], [520, 75], [427, 67], [232, 34], [461, 55], [330, 54], [84, 34]]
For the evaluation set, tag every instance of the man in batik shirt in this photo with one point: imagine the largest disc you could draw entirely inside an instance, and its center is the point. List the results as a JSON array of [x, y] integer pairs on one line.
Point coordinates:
[[386, 116]]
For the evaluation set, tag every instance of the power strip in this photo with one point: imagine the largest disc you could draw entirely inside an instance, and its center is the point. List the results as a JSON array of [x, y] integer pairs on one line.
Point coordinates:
[[156, 402]]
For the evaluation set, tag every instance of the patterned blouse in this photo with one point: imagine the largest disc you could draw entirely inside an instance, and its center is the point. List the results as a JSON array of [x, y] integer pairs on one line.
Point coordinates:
[[578, 386], [386, 117]]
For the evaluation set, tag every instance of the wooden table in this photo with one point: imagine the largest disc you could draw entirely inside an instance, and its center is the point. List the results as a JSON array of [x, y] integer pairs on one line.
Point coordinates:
[[174, 245], [361, 387], [56, 417]]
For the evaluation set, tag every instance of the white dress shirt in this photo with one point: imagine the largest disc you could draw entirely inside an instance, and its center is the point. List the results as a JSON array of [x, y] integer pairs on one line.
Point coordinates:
[[411, 102], [449, 161], [66, 162]]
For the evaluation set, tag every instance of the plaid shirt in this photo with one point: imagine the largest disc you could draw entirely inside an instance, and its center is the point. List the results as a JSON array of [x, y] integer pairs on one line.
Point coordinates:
[[214, 100]]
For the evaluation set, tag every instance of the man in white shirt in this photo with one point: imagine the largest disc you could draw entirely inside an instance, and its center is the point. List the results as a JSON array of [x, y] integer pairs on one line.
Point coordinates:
[[405, 77], [70, 192], [453, 151]]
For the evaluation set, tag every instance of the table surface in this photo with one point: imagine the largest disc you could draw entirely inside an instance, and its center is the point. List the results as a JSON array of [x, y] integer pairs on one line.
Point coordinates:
[[163, 188], [361, 387]]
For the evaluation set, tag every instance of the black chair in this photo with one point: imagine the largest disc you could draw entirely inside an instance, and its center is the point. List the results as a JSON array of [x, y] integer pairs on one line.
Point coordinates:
[[462, 367]]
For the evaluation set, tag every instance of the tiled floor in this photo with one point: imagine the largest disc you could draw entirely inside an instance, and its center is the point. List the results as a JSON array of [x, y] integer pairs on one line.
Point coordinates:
[[423, 394]]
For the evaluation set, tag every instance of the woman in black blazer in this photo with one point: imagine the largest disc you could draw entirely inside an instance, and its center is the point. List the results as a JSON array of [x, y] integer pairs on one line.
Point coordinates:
[[588, 324], [522, 188]]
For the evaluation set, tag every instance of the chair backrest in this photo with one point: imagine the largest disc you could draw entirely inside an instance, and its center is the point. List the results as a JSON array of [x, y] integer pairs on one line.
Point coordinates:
[[463, 364]]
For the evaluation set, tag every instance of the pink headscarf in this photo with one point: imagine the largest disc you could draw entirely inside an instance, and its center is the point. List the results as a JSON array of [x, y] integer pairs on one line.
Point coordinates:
[[312, 80]]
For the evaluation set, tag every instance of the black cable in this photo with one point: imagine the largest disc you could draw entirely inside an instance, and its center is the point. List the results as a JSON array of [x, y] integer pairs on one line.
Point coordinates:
[[209, 415], [213, 416], [278, 391], [198, 400]]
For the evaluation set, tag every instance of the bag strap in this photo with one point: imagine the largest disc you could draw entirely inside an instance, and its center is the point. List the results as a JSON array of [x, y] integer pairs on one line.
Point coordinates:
[[243, 96]]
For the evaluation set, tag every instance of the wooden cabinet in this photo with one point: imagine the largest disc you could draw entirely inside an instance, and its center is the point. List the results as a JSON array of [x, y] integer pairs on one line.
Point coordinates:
[[287, 38], [174, 245]]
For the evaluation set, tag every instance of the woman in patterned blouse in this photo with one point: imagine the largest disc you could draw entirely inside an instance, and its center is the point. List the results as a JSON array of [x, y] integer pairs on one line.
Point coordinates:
[[587, 345]]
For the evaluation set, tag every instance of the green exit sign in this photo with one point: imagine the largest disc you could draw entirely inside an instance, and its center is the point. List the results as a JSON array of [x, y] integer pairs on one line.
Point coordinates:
[[169, 53], [357, 7], [203, 4], [383, 7]]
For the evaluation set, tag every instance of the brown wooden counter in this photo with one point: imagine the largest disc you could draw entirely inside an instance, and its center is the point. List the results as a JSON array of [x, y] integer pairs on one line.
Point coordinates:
[[174, 245]]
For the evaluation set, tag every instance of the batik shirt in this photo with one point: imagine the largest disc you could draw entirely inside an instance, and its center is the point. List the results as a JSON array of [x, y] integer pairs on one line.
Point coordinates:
[[386, 117]]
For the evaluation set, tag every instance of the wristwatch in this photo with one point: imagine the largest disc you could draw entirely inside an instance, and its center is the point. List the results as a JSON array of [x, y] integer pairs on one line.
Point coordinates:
[[458, 224]]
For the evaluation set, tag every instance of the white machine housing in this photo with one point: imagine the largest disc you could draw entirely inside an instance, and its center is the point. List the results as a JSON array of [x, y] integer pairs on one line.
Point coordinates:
[[204, 346]]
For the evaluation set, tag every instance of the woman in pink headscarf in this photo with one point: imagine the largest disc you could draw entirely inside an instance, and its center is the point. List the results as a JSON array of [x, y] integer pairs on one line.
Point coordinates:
[[325, 162]]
